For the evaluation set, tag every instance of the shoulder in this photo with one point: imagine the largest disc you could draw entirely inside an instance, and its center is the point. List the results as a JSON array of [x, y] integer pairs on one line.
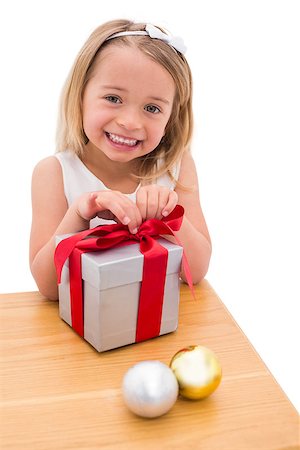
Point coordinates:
[[188, 173], [187, 160], [48, 200], [47, 167], [47, 179], [56, 163], [47, 195], [188, 193]]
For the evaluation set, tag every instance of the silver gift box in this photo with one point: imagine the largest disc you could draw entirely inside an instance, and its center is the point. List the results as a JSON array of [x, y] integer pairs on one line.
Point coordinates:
[[111, 288]]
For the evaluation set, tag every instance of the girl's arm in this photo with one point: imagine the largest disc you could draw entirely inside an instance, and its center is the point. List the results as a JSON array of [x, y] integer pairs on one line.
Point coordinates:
[[51, 216], [156, 201], [193, 233]]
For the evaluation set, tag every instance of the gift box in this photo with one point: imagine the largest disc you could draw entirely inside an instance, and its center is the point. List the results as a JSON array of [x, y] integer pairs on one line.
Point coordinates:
[[111, 293]]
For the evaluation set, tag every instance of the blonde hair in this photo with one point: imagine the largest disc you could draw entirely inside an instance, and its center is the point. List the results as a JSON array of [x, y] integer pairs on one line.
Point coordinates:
[[70, 132]]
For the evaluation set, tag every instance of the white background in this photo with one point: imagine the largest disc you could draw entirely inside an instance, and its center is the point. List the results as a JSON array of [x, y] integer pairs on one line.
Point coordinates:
[[245, 61]]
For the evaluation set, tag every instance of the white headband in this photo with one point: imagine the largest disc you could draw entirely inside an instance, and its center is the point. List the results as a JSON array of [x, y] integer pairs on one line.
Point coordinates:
[[155, 33]]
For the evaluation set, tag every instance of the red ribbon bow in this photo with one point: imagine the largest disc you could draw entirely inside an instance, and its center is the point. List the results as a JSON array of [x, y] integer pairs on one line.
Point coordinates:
[[154, 268]]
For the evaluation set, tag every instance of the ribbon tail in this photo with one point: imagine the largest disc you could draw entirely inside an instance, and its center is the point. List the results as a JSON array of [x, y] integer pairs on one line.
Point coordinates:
[[174, 219], [76, 291], [186, 268], [64, 249], [188, 275]]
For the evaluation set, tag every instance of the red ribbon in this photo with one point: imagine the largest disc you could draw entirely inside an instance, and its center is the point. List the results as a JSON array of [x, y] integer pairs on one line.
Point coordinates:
[[154, 268]]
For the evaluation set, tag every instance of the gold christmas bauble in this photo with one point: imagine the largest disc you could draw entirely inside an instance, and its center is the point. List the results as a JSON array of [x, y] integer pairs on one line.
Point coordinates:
[[197, 370]]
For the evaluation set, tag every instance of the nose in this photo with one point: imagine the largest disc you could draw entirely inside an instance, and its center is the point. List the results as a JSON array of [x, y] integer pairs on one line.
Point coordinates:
[[130, 119]]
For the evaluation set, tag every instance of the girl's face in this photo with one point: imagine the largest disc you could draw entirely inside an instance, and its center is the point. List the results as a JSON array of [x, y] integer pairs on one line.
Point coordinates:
[[126, 104]]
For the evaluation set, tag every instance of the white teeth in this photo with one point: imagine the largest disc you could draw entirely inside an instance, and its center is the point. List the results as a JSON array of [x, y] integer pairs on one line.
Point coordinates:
[[120, 140]]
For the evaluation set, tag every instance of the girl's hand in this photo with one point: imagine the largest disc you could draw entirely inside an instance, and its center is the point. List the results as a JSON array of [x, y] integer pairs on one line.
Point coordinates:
[[155, 202], [110, 205]]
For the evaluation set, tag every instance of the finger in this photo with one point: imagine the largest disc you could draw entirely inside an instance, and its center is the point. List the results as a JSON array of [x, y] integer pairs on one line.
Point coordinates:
[[132, 212], [135, 220], [152, 203], [117, 206], [172, 202], [132, 215], [90, 201], [163, 199], [107, 215], [141, 202], [87, 207], [121, 207], [138, 219]]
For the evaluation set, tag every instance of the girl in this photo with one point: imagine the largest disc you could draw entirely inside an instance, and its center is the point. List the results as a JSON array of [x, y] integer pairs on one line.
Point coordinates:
[[123, 147]]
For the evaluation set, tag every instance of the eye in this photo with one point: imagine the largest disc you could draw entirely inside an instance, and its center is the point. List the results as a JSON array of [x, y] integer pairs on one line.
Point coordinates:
[[152, 109], [112, 99]]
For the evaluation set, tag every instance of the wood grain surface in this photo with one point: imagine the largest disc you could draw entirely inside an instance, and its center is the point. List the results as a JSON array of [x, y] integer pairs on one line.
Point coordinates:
[[59, 393]]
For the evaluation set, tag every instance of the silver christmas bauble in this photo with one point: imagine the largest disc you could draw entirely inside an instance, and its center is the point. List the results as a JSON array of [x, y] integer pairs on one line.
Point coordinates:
[[150, 388]]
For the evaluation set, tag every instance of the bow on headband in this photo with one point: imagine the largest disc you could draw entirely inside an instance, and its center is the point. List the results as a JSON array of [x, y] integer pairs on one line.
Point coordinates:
[[175, 42]]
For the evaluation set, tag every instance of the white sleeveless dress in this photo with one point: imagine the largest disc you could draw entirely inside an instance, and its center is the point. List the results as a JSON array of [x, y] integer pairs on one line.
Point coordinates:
[[78, 179]]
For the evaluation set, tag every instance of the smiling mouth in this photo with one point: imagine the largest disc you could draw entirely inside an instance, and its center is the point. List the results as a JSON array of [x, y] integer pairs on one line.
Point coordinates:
[[122, 140]]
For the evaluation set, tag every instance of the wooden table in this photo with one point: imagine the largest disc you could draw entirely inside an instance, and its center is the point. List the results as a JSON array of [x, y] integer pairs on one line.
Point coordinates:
[[59, 393]]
